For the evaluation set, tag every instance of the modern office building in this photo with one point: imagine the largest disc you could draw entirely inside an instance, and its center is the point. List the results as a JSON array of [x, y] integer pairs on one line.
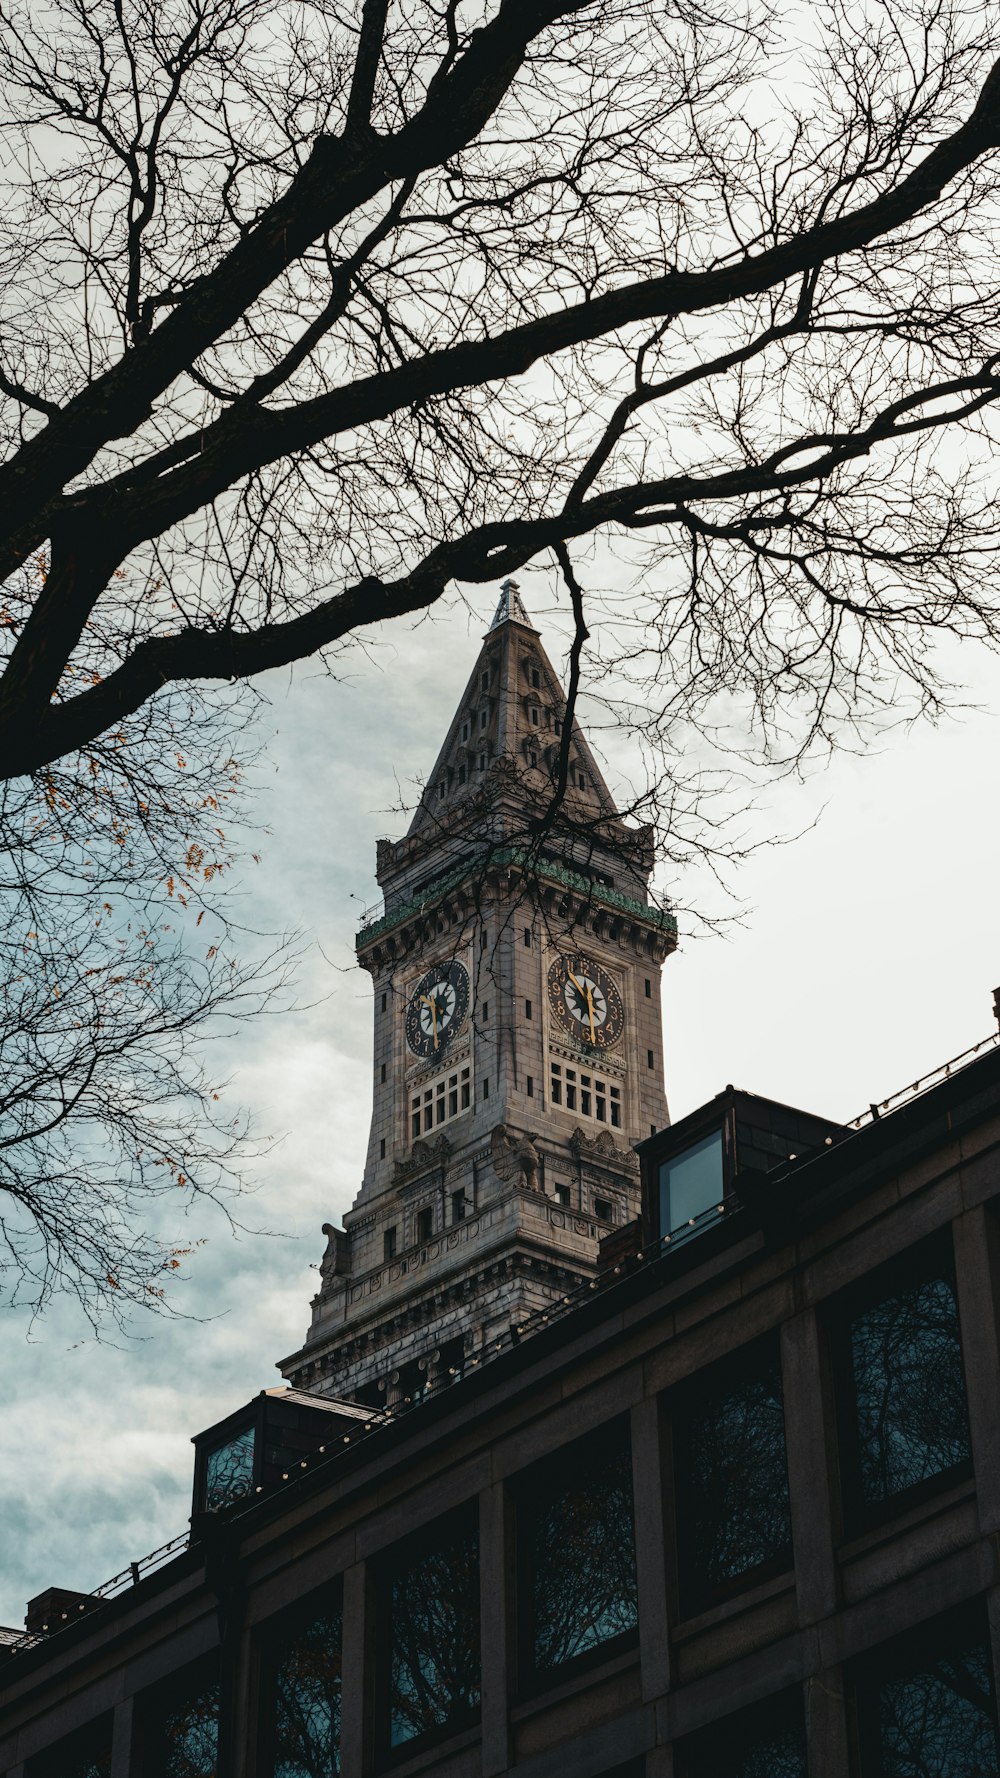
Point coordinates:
[[615, 1449]]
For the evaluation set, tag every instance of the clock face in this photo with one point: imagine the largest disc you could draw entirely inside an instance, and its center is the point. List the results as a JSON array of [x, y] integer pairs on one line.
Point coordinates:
[[585, 1002], [436, 1009]]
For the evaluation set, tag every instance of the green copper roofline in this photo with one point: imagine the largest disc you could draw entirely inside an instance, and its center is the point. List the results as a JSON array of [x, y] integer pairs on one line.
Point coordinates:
[[543, 869]]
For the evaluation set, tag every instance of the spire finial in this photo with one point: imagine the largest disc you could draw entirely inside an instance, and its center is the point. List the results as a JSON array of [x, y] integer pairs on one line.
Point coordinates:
[[510, 608]]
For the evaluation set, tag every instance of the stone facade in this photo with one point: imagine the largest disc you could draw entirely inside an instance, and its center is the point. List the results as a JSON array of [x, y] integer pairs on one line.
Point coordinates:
[[495, 1164]]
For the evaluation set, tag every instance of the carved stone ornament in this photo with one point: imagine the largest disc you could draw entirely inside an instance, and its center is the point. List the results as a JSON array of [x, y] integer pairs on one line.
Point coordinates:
[[603, 1145], [421, 1158], [337, 1256], [514, 1157]]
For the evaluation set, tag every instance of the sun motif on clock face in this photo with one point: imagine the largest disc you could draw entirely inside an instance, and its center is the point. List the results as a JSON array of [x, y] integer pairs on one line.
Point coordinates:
[[436, 1009], [585, 1002]]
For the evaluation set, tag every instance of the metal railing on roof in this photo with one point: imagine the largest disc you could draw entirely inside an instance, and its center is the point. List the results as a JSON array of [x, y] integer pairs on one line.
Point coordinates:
[[531, 1324], [923, 1084], [534, 1323]]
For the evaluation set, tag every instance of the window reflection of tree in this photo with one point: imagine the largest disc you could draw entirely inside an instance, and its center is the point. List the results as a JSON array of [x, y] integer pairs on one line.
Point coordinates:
[[934, 1716], [307, 1682], [732, 1483], [767, 1741], [906, 1364], [189, 1736], [86, 1754], [582, 1553], [434, 1638], [229, 1471]]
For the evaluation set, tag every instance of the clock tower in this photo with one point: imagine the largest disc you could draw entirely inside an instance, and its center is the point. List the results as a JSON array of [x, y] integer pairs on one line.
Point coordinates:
[[518, 1050]]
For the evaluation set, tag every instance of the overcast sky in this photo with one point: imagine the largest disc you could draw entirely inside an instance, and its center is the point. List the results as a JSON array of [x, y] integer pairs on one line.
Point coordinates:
[[867, 954]]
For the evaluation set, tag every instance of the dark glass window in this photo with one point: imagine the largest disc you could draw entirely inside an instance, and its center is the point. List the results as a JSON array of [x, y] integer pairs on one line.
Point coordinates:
[[766, 1741], [927, 1708], [577, 1553], [690, 1182], [733, 1520], [229, 1470], [425, 1223], [902, 1399], [182, 1731], [431, 1630], [389, 1244], [305, 1696], [85, 1754]]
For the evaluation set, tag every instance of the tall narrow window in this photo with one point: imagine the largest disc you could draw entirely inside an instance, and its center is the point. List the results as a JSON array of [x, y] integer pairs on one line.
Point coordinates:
[[926, 1704], [527, 1009], [425, 1223], [766, 1741], [458, 1206], [181, 1737], [691, 1182], [229, 1470], [85, 1754], [733, 1520], [530, 1086], [430, 1633], [649, 988], [383, 1071], [302, 1736], [577, 1585], [903, 1423], [527, 936], [389, 1244], [381, 1149]]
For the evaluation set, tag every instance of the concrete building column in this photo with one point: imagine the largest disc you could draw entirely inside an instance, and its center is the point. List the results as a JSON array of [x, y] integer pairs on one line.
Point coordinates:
[[244, 1706], [826, 1725], [650, 1550], [809, 1449], [357, 1636], [977, 1267], [494, 1593], [122, 1739]]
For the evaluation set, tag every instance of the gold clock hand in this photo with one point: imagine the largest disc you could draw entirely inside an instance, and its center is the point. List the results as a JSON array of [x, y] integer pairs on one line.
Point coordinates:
[[586, 997], [428, 1000]]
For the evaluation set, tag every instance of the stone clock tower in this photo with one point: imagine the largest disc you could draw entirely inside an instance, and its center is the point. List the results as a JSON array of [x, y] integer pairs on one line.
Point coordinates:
[[518, 1053]]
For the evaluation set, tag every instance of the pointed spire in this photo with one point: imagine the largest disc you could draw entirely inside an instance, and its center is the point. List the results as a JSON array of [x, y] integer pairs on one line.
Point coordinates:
[[510, 609]]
